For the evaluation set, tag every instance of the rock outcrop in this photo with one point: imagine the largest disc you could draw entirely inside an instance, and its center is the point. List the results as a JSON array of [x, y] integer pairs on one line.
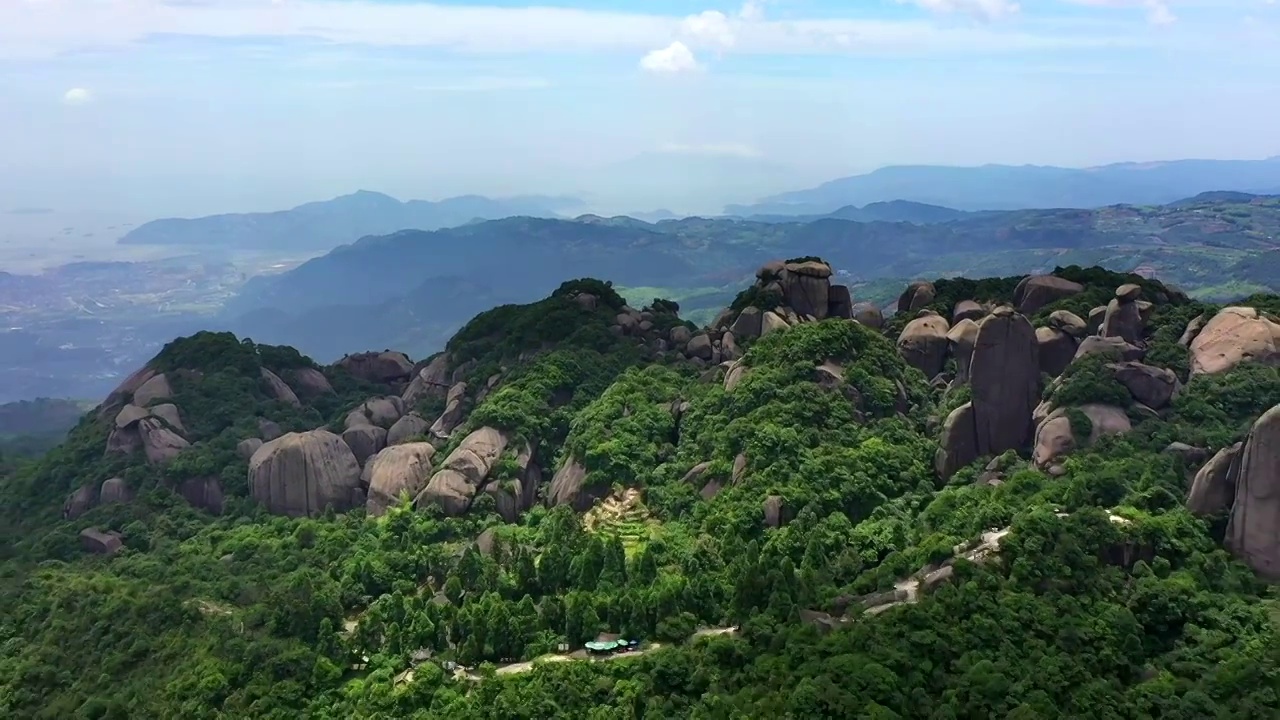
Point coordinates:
[[961, 339], [1056, 350], [277, 388], [923, 344], [917, 295], [396, 470], [204, 493], [958, 444], [568, 487], [1253, 531], [84, 499], [365, 441], [97, 541], [1056, 437], [115, 490], [1214, 487], [1123, 318], [869, 315], [455, 411], [409, 426], [384, 368], [1152, 386], [463, 473], [1094, 345], [431, 380], [1235, 335], [159, 443], [247, 447], [1005, 381], [1036, 291], [155, 388], [301, 474], [310, 382]]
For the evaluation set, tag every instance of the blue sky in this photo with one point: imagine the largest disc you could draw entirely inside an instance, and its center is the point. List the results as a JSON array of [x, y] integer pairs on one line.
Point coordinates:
[[163, 107]]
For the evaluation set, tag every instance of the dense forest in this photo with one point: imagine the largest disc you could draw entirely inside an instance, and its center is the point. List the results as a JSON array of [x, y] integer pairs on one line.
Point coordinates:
[[1014, 498]]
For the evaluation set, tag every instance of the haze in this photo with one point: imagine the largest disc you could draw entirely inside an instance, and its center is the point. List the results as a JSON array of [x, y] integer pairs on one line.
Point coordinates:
[[146, 108]]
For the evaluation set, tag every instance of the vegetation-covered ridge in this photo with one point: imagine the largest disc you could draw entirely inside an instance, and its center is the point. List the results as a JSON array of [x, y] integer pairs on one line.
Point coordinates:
[[1018, 497]]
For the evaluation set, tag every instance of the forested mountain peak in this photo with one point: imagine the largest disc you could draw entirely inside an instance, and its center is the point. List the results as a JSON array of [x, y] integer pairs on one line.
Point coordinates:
[[803, 508]]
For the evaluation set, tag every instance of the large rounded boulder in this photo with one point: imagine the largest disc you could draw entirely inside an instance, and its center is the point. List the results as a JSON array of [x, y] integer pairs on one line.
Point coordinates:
[[400, 469], [301, 474], [1253, 532], [1235, 335]]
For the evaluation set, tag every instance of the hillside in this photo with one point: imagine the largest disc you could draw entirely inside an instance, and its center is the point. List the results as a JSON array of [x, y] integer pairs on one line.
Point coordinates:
[[1208, 247], [1005, 187], [328, 224], [29, 427], [1049, 496]]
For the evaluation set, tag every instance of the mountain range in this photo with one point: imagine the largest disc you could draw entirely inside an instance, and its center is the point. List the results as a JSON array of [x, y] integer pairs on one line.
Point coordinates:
[[368, 293], [1007, 187], [327, 224]]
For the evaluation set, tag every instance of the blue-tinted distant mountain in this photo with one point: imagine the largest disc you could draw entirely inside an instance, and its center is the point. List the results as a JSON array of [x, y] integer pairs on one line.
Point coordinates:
[[328, 224], [892, 211], [31, 211], [1005, 187]]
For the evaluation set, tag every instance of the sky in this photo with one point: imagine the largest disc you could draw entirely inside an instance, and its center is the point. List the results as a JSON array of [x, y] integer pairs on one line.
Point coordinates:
[[185, 107]]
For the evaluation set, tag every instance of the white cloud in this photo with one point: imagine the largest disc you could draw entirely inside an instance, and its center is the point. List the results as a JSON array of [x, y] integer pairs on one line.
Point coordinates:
[[710, 26], [76, 96], [714, 149], [672, 59], [1158, 11], [752, 11], [53, 27], [982, 9]]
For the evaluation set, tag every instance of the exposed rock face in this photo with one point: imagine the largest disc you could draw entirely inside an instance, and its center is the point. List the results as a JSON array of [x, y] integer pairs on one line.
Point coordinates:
[[1123, 318], [772, 322], [1214, 488], [868, 315], [247, 447], [958, 445], [365, 441], [115, 490], [129, 415], [1253, 532], [734, 375], [169, 413], [1056, 350], [1112, 345], [514, 496], [156, 388], [159, 442], [80, 502], [95, 540], [961, 339], [380, 411], [269, 430], [967, 310], [1055, 437], [204, 493], [1235, 335], [806, 287], [310, 382], [463, 473], [455, 412], [1094, 321], [773, 508], [1069, 323], [1006, 382], [386, 367], [301, 473], [1152, 386], [406, 428], [432, 380], [1193, 329], [700, 346], [124, 392], [277, 388], [923, 344], [1036, 291], [568, 487], [395, 470], [681, 335], [917, 295], [839, 302]]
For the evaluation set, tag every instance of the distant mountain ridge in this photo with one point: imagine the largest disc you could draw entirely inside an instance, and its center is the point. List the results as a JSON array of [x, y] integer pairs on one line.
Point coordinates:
[[327, 224], [1007, 187], [375, 292]]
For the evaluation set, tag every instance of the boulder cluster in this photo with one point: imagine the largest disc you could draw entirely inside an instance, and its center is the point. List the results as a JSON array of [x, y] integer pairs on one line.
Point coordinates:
[[1243, 481]]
